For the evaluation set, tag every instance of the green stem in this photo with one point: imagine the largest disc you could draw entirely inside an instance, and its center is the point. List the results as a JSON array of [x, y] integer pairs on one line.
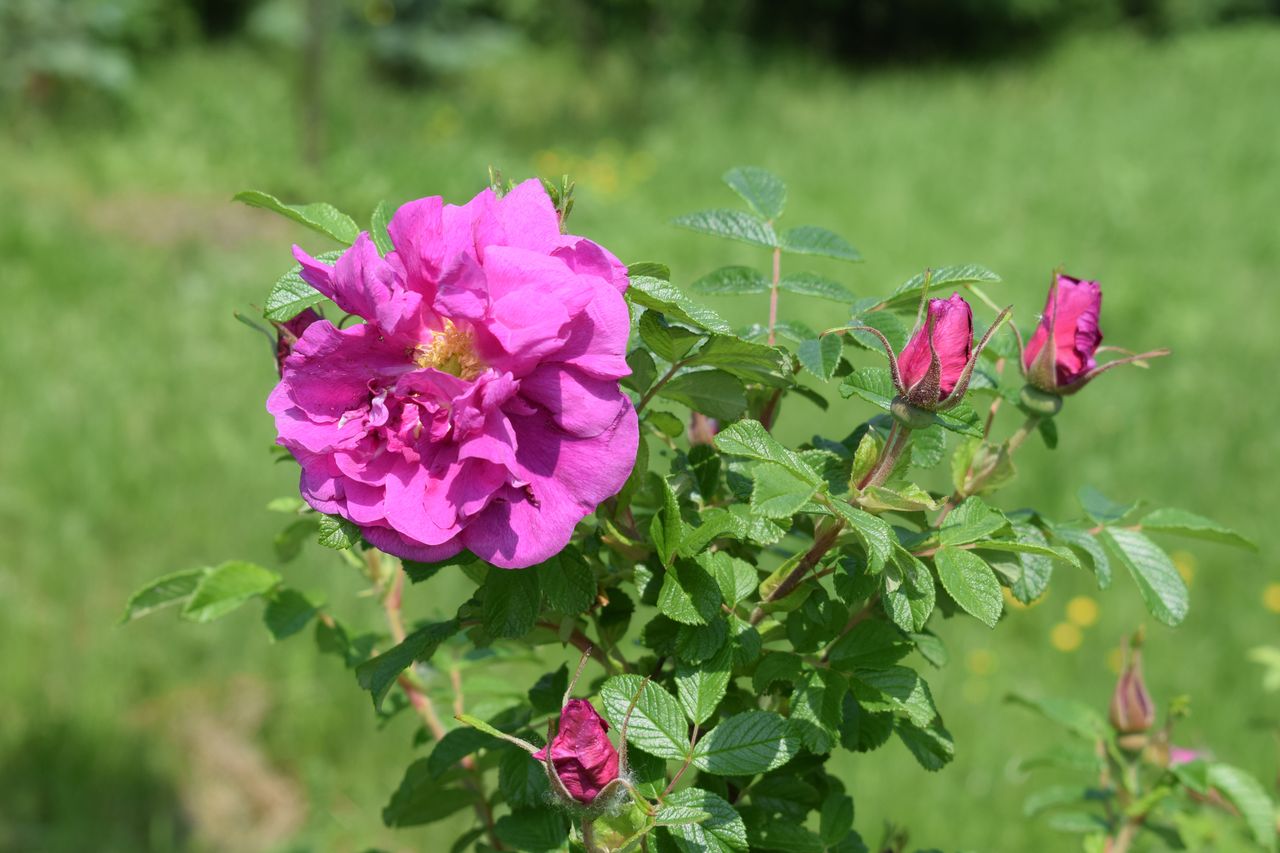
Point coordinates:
[[657, 386], [899, 437]]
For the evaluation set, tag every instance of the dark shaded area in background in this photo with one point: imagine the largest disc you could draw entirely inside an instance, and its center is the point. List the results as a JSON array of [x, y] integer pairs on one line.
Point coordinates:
[[58, 51]]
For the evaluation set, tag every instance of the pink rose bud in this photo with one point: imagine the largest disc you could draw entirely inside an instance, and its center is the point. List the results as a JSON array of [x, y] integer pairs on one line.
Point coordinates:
[[949, 328], [702, 429], [287, 335], [1132, 711], [1071, 320], [581, 752]]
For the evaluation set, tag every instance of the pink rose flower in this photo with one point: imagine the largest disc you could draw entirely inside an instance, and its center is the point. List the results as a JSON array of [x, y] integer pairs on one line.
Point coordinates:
[[287, 335], [478, 405], [583, 757], [1070, 320], [949, 327], [1132, 711]]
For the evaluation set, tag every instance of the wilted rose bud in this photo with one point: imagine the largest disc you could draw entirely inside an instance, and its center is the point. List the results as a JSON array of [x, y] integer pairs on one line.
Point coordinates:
[[287, 335], [1132, 711], [581, 753], [1061, 357], [702, 429]]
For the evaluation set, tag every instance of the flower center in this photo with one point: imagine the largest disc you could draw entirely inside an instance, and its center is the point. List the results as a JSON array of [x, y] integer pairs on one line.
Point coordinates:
[[450, 350]]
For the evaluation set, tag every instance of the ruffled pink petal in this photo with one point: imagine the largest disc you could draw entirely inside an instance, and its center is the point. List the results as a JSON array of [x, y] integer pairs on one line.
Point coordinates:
[[330, 370], [416, 232], [588, 258], [408, 548], [580, 404], [596, 341]]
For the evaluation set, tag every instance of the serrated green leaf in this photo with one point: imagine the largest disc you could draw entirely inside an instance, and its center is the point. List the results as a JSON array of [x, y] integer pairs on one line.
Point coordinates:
[[378, 674], [784, 837], [896, 688], [223, 589], [748, 438], [665, 298], [667, 341], [746, 743], [568, 582], [657, 725], [378, 223], [649, 269], [907, 295], [731, 281], [960, 418], [697, 643], [165, 591], [931, 745], [817, 709], [876, 535], [736, 578], [700, 687], [723, 832], [1082, 540], [510, 601], [777, 492], [421, 572], [319, 216], [731, 225], [820, 356], [1182, 523], [643, 371], [288, 611], [813, 240], [689, 594], [811, 284], [1036, 570], [972, 521], [763, 191], [835, 818], [1247, 795], [290, 295], [872, 384], [1162, 588], [522, 779], [422, 799], [750, 362], [889, 325], [533, 830], [971, 583], [1101, 508], [1076, 717], [714, 393], [338, 533], [547, 692], [871, 644]]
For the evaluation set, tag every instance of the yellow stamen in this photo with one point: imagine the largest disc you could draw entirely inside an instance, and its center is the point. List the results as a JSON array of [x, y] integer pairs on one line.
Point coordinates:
[[451, 350]]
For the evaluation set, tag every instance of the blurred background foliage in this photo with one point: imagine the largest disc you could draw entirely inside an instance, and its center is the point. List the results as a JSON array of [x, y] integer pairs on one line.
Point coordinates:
[[1133, 140]]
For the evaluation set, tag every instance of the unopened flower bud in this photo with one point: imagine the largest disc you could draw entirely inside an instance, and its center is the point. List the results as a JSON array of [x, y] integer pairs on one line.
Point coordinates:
[[581, 754], [702, 429], [1132, 711]]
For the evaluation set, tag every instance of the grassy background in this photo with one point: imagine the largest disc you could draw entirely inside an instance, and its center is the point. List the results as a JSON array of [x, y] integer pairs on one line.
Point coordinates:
[[134, 439]]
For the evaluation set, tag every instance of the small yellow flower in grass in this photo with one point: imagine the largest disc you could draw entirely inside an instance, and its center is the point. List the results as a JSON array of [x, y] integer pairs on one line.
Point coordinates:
[[980, 662], [1185, 563], [1066, 637], [1271, 597], [1082, 610]]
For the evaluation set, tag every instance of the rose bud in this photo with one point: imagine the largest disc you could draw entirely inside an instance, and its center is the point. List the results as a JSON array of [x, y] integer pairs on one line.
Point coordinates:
[[288, 332], [702, 429], [582, 756], [1061, 357], [932, 372], [1132, 711]]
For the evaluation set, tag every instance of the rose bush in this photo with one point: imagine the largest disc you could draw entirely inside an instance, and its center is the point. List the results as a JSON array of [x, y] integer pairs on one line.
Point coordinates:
[[588, 449]]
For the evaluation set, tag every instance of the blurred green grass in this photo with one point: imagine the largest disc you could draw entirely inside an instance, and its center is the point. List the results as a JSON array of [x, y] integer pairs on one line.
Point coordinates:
[[134, 439]]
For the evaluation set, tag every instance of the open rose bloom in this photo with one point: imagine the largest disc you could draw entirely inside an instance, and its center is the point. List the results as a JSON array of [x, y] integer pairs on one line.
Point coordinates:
[[478, 405]]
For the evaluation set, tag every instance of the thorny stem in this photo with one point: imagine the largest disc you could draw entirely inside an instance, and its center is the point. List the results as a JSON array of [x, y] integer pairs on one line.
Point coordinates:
[[657, 386], [773, 294], [589, 835], [897, 441], [821, 545], [422, 703], [580, 642], [693, 739]]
